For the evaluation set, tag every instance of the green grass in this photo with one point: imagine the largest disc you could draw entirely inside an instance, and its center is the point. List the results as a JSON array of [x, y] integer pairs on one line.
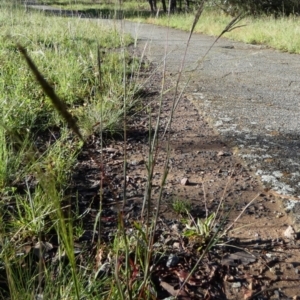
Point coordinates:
[[96, 4], [126, 5], [104, 9], [37, 149], [65, 51], [181, 206], [280, 33]]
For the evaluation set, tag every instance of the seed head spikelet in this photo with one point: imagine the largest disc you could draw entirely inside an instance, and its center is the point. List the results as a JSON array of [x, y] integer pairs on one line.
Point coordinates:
[[49, 91]]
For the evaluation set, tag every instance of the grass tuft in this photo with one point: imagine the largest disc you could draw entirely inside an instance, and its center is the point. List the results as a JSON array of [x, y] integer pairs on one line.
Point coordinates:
[[181, 206]]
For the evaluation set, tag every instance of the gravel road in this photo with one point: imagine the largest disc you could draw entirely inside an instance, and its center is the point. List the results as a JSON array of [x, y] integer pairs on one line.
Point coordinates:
[[249, 93]]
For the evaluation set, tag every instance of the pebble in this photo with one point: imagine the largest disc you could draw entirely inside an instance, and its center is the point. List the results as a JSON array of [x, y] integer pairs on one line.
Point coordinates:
[[173, 260], [236, 285], [279, 215], [290, 233], [184, 181], [222, 153], [137, 162], [277, 294], [176, 245]]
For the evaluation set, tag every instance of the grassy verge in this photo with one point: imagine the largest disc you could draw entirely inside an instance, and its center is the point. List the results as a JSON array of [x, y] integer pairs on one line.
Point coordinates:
[[126, 5], [280, 33], [104, 9], [86, 65]]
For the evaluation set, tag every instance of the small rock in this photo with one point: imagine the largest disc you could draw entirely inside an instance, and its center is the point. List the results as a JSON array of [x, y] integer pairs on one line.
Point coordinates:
[[137, 162], [236, 285], [222, 153], [277, 267], [176, 245], [184, 181], [290, 233], [279, 215], [174, 227], [173, 260]]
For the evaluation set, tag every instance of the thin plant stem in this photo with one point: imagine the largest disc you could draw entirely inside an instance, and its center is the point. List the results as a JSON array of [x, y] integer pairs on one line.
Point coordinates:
[[175, 102], [99, 65], [241, 213]]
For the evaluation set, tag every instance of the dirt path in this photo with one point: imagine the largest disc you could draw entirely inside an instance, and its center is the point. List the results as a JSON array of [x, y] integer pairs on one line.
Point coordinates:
[[209, 157], [248, 93]]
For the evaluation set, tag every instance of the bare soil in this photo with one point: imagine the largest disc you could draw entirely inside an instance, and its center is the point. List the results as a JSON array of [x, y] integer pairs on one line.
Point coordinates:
[[213, 174]]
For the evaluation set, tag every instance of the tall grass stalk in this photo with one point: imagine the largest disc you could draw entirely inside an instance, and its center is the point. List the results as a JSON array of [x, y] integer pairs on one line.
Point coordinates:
[[4, 157], [152, 156], [153, 151], [100, 124], [59, 105]]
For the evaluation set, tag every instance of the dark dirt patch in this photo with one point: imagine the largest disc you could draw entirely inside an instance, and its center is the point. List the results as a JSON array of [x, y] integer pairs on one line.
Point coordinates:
[[214, 174]]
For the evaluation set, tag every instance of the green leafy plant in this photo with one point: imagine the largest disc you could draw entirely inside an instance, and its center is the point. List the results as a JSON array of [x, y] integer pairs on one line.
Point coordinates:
[[200, 230]]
